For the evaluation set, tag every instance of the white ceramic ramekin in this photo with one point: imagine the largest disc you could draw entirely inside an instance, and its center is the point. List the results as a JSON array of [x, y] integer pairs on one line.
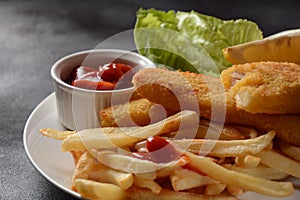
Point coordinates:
[[78, 108]]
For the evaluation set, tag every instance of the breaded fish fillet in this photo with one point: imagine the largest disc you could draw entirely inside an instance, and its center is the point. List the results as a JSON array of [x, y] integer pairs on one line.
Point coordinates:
[[160, 86], [139, 112], [264, 87], [179, 91]]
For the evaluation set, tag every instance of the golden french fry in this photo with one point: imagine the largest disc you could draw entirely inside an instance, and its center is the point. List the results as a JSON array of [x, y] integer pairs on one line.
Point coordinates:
[[97, 190], [170, 167], [214, 189], [83, 167], [243, 181], [130, 164], [55, 134], [76, 156], [227, 132], [261, 171], [280, 162], [126, 163], [269, 147], [248, 161], [97, 138], [233, 190], [101, 173], [136, 193], [209, 131], [247, 131], [226, 148], [146, 175], [149, 184], [289, 149], [182, 179], [126, 136]]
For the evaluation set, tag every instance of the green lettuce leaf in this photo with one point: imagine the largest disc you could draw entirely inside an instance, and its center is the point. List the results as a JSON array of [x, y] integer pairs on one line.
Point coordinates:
[[190, 41]]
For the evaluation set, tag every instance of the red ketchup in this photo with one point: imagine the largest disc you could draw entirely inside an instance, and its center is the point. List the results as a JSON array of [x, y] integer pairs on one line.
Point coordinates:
[[159, 151], [105, 78]]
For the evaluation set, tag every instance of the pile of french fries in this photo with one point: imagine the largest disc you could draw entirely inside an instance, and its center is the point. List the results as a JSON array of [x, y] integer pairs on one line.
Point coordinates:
[[221, 168]]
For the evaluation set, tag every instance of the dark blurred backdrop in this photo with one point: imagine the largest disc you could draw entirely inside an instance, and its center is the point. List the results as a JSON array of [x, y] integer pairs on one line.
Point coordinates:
[[34, 34]]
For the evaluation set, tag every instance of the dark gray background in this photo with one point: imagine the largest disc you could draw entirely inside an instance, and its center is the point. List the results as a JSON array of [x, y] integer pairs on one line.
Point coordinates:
[[34, 34]]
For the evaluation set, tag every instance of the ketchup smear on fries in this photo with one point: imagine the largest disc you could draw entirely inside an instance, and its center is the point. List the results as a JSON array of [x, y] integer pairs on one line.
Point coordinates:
[[159, 151]]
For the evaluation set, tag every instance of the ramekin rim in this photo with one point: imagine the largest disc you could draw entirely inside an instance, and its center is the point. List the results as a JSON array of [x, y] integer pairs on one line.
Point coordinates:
[[61, 82]]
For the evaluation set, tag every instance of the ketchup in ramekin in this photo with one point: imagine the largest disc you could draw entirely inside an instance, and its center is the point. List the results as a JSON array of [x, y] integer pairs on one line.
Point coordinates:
[[104, 78]]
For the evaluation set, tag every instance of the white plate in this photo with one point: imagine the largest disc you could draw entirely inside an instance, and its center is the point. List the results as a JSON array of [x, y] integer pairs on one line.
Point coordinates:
[[45, 153], [56, 166]]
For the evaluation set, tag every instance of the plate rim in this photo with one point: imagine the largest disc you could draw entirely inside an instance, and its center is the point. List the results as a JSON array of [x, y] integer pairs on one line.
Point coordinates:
[[25, 135]]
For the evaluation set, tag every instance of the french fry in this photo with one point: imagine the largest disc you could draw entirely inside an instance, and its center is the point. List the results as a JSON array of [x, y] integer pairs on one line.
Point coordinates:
[[102, 173], [207, 131], [182, 179], [136, 193], [97, 138], [83, 167], [127, 163], [247, 131], [261, 171], [269, 147], [244, 181], [233, 190], [96, 190], [224, 148], [213, 130], [55, 134], [289, 149], [146, 175], [76, 155], [227, 132], [120, 137], [214, 189], [170, 167], [280, 162], [149, 184], [248, 161]]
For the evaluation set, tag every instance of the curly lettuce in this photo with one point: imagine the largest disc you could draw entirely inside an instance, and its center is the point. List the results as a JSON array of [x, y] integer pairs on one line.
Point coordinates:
[[190, 41]]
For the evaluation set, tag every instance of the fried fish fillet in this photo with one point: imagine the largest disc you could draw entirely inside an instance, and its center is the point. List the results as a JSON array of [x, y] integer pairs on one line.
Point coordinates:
[[168, 89], [182, 90], [264, 87], [139, 112]]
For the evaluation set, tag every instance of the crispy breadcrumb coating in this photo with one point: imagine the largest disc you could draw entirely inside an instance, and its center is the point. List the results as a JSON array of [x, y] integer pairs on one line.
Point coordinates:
[[264, 87], [160, 86], [139, 112]]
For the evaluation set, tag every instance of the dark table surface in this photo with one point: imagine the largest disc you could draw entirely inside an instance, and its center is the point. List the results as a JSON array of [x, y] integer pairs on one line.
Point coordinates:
[[34, 34]]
